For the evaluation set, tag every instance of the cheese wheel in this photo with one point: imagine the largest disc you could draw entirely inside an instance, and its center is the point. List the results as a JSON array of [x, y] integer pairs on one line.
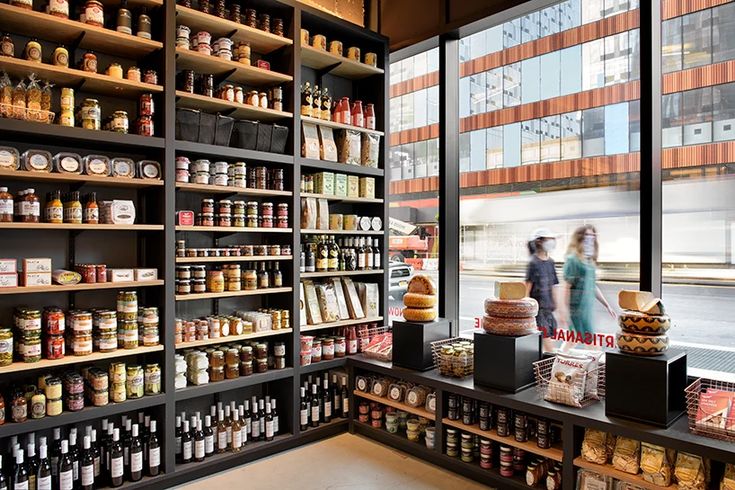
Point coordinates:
[[417, 300], [510, 290], [643, 324], [419, 314], [421, 284], [511, 308], [509, 326], [633, 300], [642, 345]]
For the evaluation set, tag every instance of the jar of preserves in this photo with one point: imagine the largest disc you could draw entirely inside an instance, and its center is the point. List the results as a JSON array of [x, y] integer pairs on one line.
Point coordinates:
[[127, 334], [94, 13], [115, 70], [75, 403], [232, 371], [118, 392], [33, 51], [261, 365], [152, 377], [250, 280], [145, 105], [183, 287], [29, 348], [60, 56], [53, 388], [91, 114], [120, 122], [38, 405], [7, 47], [216, 374], [19, 407], [82, 345], [24, 4], [144, 126], [150, 76], [6, 346], [106, 342], [199, 286], [133, 74], [99, 398], [54, 407]]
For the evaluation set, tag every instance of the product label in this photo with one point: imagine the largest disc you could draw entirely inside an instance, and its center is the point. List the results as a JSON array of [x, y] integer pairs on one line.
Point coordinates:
[[244, 435], [69, 164], [24, 486], [116, 467], [87, 475], [209, 444], [6, 346], [345, 406], [154, 457], [39, 162], [43, 483], [97, 462], [136, 461], [304, 418], [66, 480], [237, 439], [315, 413], [91, 215], [186, 450], [269, 429], [275, 425], [30, 208], [254, 430], [73, 214], [327, 409], [412, 398], [199, 449], [94, 14], [6, 205], [97, 166], [222, 440], [228, 431]]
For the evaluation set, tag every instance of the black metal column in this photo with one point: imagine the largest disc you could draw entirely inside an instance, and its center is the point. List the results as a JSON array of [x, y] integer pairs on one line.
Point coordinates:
[[651, 192], [449, 178]]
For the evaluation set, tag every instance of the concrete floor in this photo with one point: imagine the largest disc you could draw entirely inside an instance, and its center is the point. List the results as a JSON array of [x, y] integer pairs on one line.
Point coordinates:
[[342, 462]]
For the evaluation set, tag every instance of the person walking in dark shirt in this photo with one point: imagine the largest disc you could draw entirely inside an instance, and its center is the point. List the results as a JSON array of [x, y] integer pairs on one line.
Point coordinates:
[[540, 281]]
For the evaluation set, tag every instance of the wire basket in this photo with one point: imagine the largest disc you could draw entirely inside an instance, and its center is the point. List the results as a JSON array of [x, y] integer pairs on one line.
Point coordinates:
[[376, 343], [714, 421], [452, 365], [579, 391], [11, 112]]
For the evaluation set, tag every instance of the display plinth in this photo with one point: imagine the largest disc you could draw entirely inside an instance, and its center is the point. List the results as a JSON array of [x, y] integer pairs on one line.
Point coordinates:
[[506, 362], [412, 342], [646, 389]]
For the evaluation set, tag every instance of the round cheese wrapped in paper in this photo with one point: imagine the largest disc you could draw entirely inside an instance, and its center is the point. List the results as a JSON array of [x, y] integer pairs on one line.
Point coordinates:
[[417, 300], [511, 308], [643, 323], [509, 326], [642, 345], [419, 314]]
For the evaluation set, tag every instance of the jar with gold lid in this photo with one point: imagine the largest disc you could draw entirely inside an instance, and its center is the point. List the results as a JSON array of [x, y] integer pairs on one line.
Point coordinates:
[[94, 13], [91, 115]]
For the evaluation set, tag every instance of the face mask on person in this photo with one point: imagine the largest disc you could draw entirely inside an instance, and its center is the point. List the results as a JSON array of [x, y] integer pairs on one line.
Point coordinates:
[[549, 245], [588, 246]]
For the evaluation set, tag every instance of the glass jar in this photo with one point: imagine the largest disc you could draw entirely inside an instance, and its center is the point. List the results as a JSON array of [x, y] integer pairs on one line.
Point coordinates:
[[19, 406], [94, 13], [6, 346], [216, 374], [133, 74], [91, 114], [232, 371], [75, 403], [135, 382], [327, 349], [120, 122], [152, 379], [115, 70], [54, 407]]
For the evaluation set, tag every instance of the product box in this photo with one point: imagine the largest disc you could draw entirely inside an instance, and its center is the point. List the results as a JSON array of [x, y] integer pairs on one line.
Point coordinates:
[[302, 306], [9, 280], [37, 265], [30, 279], [8, 266], [340, 185], [309, 141], [314, 316], [327, 303], [327, 146], [184, 218], [367, 187], [353, 186], [117, 212], [324, 183], [344, 312], [120, 275], [145, 274], [369, 298], [353, 299]]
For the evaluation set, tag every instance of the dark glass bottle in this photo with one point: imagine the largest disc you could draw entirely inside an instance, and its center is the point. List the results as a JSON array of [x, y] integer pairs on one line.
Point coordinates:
[[269, 433], [315, 404], [345, 399], [208, 436], [326, 401], [274, 411], [32, 465], [247, 419], [261, 418], [127, 440], [136, 455], [56, 453], [116, 460], [255, 421], [3, 481], [44, 478], [66, 468], [186, 443], [336, 398], [177, 437], [74, 455], [96, 455], [199, 451], [86, 464], [154, 451], [20, 477]]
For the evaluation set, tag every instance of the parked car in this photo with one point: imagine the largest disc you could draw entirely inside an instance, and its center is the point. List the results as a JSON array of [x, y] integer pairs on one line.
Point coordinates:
[[400, 274]]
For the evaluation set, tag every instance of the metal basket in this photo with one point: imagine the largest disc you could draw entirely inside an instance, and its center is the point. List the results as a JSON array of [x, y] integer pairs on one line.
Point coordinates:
[[455, 367], [25, 114], [707, 427], [364, 339], [562, 392]]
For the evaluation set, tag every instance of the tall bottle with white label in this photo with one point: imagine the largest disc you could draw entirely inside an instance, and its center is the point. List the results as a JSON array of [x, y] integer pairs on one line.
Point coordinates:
[[199, 452], [44, 480], [116, 460], [66, 468], [186, 444], [136, 455], [208, 436], [20, 478], [86, 464], [236, 432], [154, 451]]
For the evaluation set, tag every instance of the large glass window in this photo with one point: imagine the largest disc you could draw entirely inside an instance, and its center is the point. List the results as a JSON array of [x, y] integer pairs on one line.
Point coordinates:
[[494, 84], [571, 67], [530, 142], [593, 64], [478, 94], [478, 140], [697, 38], [593, 132], [617, 65], [529, 27], [550, 139], [495, 147], [570, 14], [512, 33], [512, 84], [671, 51], [550, 79], [592, 10], [512, 145], [549, 21], [617, 137], [696, 112], [571, 135], [531, 80], [671, 120], [723, 32], [723, 112]]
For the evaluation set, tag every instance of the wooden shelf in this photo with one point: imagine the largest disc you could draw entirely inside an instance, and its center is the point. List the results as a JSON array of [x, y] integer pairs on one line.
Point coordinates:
[[260, 41], [341, 323], [79, 179], [56, 288], [400, 406], [336, 125], [249, 258], [66, 31], [238, 111], [224, 189], [70, 226], [341, 167], [196, 391], [232, 294], [72, 359], [342, 232], [232, 229], [609, 470], [134, 3], [235, 71], [308, 275], [363, 200], [233, 338], [212, 151], [530, 446], [319, 60], [90, 82]]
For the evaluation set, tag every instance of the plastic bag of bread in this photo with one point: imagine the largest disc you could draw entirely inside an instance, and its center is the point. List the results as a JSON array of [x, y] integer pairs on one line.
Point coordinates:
[[589, 480], [627, 455], [656, 465], [370, 151], [348, 146], [308, 213], [322, 214], [594, 448], [691, 472], [568, 380], [728, 479]]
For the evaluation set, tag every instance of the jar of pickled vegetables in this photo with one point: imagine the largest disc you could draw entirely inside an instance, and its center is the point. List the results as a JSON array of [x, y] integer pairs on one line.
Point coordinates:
[[135, 383], [91, 114], [152, 378], [6, 346]]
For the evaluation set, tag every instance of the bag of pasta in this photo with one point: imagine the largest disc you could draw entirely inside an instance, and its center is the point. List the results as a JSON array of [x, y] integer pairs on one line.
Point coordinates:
[[691, 471], [6, 96], [656, 464], [594, 447], [728, 479], [627, 455]]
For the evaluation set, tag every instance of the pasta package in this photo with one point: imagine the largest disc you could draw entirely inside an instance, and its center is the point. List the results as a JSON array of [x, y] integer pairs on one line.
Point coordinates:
[[322, 214], [327, 146], [344, 313], [589, 480], [691, 472], [627, 455], [656, 465], [309, 141], [370, 150], [594, 446], [313, 313], [728, 479], [308, 213], [353, 299], [327, 302], [348, 146]]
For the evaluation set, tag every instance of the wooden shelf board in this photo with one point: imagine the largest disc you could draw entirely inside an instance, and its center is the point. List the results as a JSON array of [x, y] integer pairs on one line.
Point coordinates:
[[354, 70], [66, 31], [232, 229], [342, 232], [341, 323], [249, 258], [260, 41], [530, 446], [308, 275], [608, 470], [233, 338], [79, 179], [56, 288], [93, 82], [341, 167], [336, 125], [70, 226], [365, 200], [232, 294], [245, 74], [224, 189], [239, 111], [134, 3], [211, 151], [71, 359], [400, 406]]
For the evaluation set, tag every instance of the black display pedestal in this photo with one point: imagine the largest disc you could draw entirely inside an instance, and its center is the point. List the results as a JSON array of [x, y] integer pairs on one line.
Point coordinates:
[[646, 389], [412, 342], [506, 363]]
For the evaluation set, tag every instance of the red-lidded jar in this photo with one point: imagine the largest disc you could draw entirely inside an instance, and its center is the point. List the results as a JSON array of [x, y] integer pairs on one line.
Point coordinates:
[[146, 105]]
